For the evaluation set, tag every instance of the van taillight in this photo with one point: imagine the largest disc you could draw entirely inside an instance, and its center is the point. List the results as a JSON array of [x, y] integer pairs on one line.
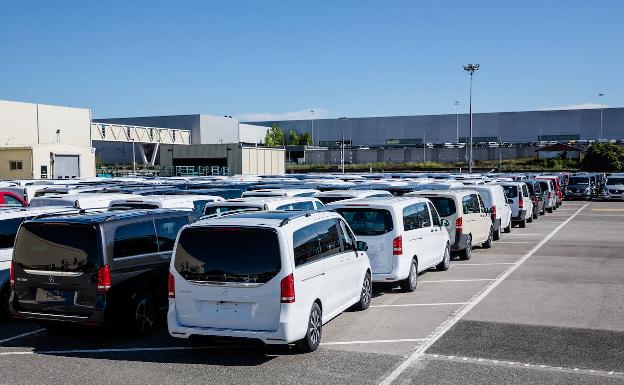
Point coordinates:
[[520, 202], [549, 195], [104, 278], [171, 286], [493, 211], [459, 224], [12, 274], [287, 286], [397, 245]]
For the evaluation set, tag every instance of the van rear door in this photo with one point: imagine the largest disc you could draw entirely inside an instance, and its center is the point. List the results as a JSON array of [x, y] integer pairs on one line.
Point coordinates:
[[228, 278], [55, 267]]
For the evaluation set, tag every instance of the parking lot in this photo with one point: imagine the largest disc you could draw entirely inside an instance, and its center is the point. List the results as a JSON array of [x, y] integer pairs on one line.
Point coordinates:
[[544, 305]]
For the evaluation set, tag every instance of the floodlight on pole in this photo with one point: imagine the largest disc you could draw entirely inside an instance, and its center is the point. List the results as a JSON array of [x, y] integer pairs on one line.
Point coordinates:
[[471, 69], [456, 103], [601, 107], [312, 121], [342, 144]]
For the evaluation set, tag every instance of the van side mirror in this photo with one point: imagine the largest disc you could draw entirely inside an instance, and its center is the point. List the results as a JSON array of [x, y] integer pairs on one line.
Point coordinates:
[[444, 223], [361, 246]]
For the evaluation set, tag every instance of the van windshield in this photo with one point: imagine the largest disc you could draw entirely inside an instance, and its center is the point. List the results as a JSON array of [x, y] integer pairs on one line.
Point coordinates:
[[224, 209], [445, 206], [367, 221], [47, 246], [614, 181], [241, 255], [575, 180], [511, 191]]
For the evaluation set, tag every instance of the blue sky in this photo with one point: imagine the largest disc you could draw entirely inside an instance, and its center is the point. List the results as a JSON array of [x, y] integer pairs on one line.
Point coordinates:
[[276, 59]]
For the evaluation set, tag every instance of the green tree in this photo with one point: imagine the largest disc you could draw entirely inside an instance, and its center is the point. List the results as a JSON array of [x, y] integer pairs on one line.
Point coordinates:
[[274, 137], [604, 157], [293, 138], [305, 139]]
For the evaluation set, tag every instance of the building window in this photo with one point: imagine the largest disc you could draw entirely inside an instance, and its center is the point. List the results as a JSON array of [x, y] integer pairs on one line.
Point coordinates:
[[15, 165], [103, 131], [173, 136]]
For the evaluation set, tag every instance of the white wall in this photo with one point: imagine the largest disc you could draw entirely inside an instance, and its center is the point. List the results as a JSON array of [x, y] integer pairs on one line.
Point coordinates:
[[250, 133], [29, 124], [217, 130]]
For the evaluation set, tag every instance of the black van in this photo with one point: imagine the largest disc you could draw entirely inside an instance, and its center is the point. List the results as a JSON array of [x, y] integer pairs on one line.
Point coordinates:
[[97, 268]]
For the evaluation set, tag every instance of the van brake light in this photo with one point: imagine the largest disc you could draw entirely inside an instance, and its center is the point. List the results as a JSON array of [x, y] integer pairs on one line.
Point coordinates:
[[397, 245], [459, 224], [287, 286], [171, 286], [104, 278], [493, 211], [12, 274]]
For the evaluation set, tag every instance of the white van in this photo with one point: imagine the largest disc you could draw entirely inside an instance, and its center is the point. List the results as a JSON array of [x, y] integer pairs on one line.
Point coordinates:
[[405, 236], [494, 199], [263, 204], [277, 192], [78, 201], [519, 200], [469, 221], [274, 276], [614, 187], [341, 195], [192, 202]]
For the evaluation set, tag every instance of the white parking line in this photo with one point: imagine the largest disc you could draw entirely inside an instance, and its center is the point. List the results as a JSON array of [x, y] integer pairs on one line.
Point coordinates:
[[524, 234], [374, 341], [513, 242], [459, 280], [423, 304], [458, 315], [483, 264], [21, 335], [597, 372]]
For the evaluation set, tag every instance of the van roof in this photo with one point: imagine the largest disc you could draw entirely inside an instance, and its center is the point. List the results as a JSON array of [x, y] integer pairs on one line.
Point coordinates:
[[379, 201], [276, 218], [95, 217]]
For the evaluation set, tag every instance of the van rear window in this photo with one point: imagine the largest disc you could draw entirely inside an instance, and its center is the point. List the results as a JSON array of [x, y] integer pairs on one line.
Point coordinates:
[[210, 210], [445, 206], [237, 255], [511, 191], [327, 200], [129, 205], [57, 247], [365, 221]]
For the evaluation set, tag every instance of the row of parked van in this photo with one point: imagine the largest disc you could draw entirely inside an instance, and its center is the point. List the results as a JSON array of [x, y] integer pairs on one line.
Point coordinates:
[[274, 265]]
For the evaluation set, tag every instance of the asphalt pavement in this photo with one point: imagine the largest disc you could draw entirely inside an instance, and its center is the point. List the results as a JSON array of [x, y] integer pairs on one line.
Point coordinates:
[[545, 305]]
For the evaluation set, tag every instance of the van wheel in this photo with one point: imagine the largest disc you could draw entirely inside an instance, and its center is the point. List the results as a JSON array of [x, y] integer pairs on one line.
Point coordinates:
[[488, 243], [543, 211], [312, 339], [446, 260], [366, 294], [530, 218], [550, 210], [522, 223], [497, 233], [466, 253], [5, 295], [409, 284], [143, 314]]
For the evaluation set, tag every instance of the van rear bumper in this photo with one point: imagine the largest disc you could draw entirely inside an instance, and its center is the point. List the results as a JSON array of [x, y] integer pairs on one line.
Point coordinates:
[[520, 217], [461, 240], [287, 332], [97, 318]]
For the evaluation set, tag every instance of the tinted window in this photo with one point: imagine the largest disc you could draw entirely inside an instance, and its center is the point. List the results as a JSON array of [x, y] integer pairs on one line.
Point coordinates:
[[577, 180], [365, 221], [434, 215], [511, 191], [242, 255], [167, 230], [210, 210], [135, 239], [470, 204], [525, 191], [348, 241], [199, 205], [306, 245], [303, 206], [327, 200], [144, 206], [543, 186], [613, 181], [8, 230], [328, 237], [47, 246], [445, 206], [11, 201], [416, 217]]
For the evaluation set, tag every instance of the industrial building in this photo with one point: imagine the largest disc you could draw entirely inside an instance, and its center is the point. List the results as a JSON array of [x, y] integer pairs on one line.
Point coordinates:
[[510, 127], [43, 141]]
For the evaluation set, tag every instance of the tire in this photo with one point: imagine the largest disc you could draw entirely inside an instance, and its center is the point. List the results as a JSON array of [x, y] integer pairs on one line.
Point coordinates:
[[550, 210], [466, 253], [143, 315], [314, 332], [488, 242], [409, 284], [530, 219], [5, 295], [446, 260], [536, 215], [508, 228], [497, 233], [543, 211], [523, 223], [366, 294]]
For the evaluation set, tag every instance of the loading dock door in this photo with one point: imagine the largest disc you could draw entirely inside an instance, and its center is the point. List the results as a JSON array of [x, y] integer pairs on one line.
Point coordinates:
[[66, 167]]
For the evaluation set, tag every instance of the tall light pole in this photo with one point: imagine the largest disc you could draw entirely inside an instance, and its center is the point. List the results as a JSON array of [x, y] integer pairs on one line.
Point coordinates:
[[342, 144], [133, 159], [456, 103], [312, 121], [601, 106], [424, 144], [471, 69]]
